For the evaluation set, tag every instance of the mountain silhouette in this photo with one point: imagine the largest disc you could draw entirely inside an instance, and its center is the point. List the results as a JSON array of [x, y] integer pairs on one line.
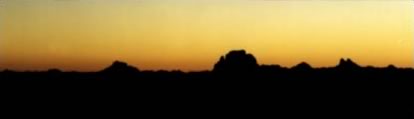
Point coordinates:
[[119, 68], [303, 66], [391, 67], [236, 61], [239, 82], [347, 64]]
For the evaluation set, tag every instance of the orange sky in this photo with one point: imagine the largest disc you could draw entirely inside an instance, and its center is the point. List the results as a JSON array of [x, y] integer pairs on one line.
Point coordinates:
[[87, 35]]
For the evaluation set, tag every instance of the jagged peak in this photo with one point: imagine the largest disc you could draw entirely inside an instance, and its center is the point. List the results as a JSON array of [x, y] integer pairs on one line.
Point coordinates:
[[347, 63], [342, 60], [236, 61]]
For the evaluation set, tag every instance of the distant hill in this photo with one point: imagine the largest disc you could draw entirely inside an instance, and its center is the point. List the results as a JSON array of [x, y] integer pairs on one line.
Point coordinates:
[[119, 67], [237, 61]]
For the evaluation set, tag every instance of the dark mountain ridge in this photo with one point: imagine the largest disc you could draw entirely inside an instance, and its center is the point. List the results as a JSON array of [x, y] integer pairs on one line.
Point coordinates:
[[237, 81], [238, 63]]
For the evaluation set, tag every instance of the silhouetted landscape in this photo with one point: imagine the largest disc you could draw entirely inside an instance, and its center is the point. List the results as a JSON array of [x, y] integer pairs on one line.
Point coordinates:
[[346, 89], [237, 65]]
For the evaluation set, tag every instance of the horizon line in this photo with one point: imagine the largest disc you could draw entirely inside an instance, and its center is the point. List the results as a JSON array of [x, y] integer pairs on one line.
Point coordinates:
[[211, 69]]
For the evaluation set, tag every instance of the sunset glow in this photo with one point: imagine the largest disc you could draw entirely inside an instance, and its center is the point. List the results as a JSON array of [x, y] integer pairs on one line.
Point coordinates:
[[87, 35]]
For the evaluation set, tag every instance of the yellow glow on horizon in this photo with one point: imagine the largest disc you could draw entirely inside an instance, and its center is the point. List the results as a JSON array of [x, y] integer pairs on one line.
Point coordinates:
[[88, 35]]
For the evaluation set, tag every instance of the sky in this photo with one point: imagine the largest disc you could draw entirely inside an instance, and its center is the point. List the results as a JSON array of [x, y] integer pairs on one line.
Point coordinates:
[[88, 35]]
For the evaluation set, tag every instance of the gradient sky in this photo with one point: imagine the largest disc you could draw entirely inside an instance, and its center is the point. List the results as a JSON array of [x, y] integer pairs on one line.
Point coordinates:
[[87, 35]]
